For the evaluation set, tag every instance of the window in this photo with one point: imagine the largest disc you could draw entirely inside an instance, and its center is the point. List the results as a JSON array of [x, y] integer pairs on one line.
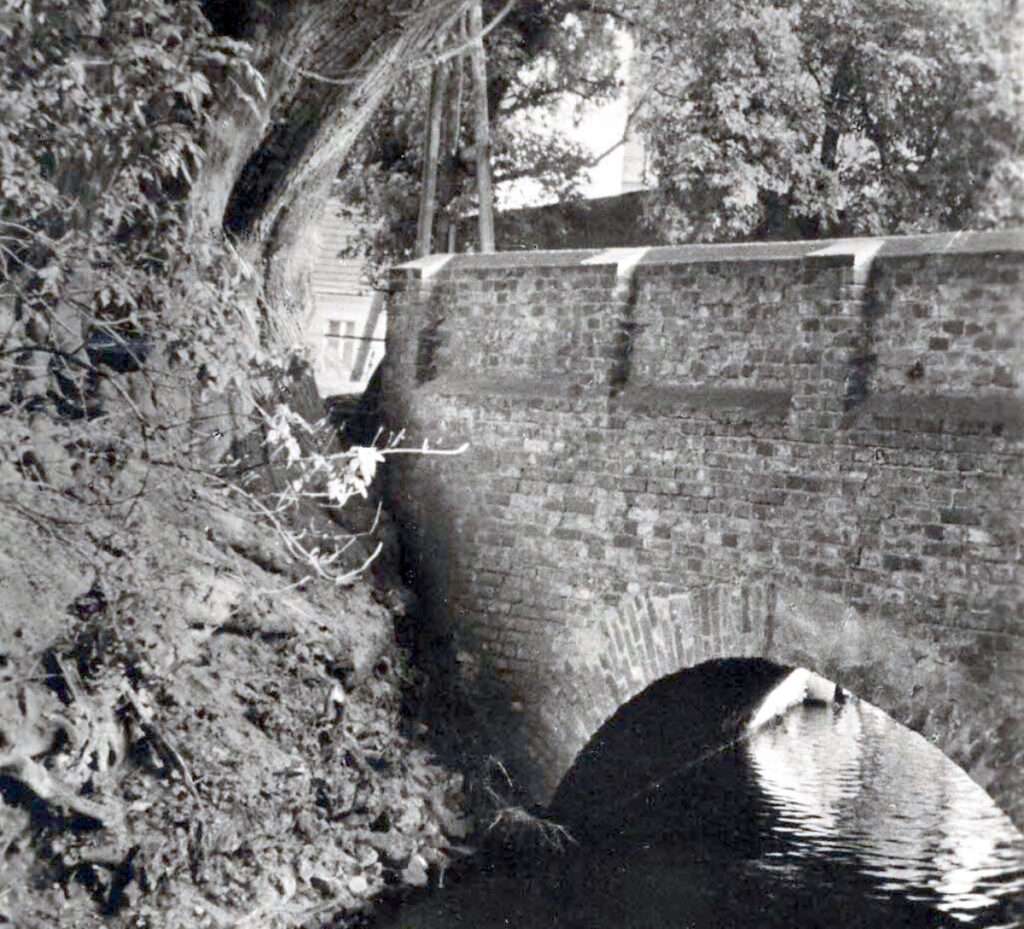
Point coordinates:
[[347, 344], [341, 340]]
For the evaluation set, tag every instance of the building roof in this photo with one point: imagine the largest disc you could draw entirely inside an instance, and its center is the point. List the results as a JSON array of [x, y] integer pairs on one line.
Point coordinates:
[[333, 273]]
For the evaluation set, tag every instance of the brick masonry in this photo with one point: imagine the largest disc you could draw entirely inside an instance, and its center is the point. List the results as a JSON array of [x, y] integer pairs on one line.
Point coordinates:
[[810, 452]]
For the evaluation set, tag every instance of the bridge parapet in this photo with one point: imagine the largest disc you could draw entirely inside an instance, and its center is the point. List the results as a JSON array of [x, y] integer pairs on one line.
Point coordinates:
[[810, 452]]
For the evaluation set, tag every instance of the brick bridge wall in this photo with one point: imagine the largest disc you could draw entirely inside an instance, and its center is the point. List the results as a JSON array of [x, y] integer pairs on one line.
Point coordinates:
[[810, 452]]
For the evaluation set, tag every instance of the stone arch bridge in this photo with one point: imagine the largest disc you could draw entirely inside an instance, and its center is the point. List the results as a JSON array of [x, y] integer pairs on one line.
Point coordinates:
[[808, 452]]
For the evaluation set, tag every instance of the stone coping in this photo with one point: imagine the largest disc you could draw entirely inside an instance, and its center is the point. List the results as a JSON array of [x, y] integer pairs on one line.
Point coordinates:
[[830, 251]]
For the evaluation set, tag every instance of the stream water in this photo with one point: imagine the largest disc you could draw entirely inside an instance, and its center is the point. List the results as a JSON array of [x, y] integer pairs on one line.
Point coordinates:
[[833, 816]]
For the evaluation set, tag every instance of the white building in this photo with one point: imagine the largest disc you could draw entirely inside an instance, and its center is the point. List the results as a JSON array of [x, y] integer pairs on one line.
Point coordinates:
[[346, 330]]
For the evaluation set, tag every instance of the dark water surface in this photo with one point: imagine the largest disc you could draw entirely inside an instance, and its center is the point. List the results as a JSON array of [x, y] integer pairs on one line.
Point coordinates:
[[833, 816]]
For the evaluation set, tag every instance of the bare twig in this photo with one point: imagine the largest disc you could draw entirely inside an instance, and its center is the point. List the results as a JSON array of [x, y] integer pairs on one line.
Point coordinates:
[[462, 47]]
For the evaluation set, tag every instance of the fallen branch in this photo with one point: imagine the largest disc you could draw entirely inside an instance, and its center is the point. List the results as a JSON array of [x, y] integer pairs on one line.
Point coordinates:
[[168, 753], [46, 787], [516, 822]]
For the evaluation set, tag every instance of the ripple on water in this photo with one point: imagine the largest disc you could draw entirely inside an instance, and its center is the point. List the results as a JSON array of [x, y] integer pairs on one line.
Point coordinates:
[[848, 781]]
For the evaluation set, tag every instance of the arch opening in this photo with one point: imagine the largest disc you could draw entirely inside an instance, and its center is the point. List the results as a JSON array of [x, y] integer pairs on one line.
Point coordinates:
[[928, 682], [658, 736], [786, 769]]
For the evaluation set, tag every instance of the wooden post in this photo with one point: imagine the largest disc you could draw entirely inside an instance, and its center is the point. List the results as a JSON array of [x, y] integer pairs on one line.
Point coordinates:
[[451, 133], [482, 131], [431, 151]]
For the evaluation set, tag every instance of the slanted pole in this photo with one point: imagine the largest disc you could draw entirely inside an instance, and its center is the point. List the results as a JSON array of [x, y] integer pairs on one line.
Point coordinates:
[[431, 153], [485, 190]]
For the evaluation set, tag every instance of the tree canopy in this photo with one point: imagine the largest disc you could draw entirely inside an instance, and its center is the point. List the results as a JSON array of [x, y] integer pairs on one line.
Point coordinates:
[[830, 117], [539, 54], [783, 119]]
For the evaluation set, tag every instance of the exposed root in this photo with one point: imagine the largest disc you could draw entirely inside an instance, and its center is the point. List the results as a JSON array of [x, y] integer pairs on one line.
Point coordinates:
[[522, 828], [43, 785], [514, 826]]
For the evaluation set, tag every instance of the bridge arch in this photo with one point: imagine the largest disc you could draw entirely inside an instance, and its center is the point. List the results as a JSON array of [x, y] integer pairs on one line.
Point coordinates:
[[648, 470], [661, 737], [652, 636], [690, 760]]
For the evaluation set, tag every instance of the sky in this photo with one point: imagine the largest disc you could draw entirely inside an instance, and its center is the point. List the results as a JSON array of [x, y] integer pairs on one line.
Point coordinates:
[[597, 127]]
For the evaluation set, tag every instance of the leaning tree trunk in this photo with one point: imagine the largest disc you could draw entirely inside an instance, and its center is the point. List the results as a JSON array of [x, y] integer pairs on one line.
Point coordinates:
[[431, 153], [271, 158]]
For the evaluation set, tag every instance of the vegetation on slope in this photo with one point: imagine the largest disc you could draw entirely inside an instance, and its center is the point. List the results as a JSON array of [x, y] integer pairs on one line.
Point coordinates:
[[186, 740], [198, 698]]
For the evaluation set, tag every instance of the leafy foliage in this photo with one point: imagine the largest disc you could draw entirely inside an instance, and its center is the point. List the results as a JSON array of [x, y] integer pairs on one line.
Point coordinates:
[[538, 55], [191, 692], [101, 128], [831, 118]]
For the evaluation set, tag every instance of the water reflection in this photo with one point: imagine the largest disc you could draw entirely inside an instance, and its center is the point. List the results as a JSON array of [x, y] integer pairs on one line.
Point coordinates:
[[806, 817], [847, 780]]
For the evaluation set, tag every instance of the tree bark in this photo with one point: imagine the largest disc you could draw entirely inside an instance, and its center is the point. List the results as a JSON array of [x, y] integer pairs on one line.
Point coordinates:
[[485, 190], [431, 154], [272, 155], [835, 107], [447, 184]]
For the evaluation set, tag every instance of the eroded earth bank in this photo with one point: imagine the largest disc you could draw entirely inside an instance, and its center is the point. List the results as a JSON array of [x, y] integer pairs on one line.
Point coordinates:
[[189, 736]]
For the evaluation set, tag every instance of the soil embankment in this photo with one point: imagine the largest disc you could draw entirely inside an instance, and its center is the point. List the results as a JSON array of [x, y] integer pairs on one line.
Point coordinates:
[[189, 736]]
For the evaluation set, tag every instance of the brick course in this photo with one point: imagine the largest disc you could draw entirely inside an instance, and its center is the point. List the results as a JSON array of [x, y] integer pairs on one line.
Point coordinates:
[[730, 451]]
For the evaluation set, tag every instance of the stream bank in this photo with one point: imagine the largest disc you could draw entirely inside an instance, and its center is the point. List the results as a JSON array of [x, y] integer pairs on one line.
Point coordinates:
[[190, 736]]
